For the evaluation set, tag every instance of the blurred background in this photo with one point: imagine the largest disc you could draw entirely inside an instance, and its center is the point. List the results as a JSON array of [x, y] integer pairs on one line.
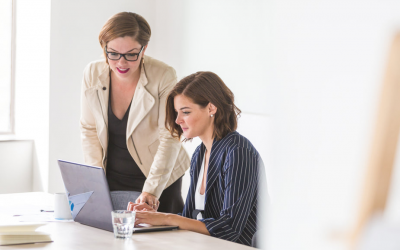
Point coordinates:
[[307, 76]]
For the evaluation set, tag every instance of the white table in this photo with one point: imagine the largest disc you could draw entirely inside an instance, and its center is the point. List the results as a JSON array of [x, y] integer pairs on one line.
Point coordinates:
[[73, 235]]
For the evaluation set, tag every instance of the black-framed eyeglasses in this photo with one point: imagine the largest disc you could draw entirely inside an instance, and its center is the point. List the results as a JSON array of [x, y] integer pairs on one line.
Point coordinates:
[[128, 56]]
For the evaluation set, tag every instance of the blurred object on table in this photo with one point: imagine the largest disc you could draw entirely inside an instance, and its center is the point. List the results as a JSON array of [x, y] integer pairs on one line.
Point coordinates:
[[379, 171]]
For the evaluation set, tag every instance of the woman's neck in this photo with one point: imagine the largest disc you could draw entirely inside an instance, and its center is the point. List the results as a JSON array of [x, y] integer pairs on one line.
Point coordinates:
[[208, 139]]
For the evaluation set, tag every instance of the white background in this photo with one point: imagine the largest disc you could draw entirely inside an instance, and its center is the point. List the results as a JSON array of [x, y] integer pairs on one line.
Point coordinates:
[[5, 64], [306, 74]]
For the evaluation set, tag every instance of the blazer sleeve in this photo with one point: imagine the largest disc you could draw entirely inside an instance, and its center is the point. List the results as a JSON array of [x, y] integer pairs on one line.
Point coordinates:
[[240, 175], [92, 150], [168, 150]]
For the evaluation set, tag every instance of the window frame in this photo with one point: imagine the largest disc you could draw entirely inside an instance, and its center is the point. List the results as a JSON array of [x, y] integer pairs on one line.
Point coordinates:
[[11, 131]]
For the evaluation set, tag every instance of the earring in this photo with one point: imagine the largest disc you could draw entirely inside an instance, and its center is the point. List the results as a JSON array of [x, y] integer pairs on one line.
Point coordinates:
[[211, 115]]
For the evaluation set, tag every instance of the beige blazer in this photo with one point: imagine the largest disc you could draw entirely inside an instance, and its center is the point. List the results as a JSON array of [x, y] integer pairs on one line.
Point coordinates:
[[161, 158]]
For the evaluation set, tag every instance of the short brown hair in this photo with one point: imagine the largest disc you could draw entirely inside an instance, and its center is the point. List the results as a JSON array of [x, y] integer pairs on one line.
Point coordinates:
[[202, 88], [125, 24]]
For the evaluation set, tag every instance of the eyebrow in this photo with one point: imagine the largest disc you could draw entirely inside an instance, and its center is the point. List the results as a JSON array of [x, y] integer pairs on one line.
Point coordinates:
[[182, 108], [118, 52]]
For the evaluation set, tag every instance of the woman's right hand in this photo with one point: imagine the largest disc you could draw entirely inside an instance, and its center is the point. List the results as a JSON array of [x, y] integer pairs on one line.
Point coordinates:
[[139, 207]]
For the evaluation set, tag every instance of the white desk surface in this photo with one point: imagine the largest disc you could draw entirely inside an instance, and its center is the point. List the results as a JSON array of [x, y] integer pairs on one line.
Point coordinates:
[[73, 235]]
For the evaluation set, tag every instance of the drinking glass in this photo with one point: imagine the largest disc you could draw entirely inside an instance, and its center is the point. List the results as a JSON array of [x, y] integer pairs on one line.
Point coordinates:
[[123, 223]]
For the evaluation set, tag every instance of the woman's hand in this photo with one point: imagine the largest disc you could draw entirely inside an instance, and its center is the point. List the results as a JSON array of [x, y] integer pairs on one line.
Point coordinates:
[[152, 218], [145, 214], [149, 199], [139, 207]]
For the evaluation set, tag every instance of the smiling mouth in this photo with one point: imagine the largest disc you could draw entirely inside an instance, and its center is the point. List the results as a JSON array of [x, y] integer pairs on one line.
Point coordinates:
[[122, 71]]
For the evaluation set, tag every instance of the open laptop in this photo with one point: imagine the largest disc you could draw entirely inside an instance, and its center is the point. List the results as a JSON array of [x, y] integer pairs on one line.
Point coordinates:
[[89, 197]]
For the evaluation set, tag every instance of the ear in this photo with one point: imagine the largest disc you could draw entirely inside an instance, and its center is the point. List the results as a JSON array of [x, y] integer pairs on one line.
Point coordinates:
[[144, 49], [212, 109]]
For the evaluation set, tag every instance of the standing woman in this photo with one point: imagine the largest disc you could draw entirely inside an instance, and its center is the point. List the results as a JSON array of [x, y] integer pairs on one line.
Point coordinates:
[[227, 172], [123, 114]]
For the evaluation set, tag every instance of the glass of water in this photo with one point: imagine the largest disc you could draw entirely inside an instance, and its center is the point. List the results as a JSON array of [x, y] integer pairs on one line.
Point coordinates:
[[123, 223]]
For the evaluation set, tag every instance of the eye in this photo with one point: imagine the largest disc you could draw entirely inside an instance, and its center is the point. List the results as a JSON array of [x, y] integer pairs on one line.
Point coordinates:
[[186, 113], [132, 54], [113, 54]]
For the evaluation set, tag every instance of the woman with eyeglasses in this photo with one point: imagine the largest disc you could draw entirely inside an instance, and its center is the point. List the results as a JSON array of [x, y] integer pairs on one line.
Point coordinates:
[[227, 173], [122, 118]]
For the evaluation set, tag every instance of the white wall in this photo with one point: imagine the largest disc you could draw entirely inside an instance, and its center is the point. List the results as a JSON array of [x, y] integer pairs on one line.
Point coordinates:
[[16, 166], [5, 65], [328, 62], [212, 35]]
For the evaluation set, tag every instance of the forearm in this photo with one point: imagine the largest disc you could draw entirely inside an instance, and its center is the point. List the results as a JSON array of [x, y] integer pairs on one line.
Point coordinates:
[[187, 224]]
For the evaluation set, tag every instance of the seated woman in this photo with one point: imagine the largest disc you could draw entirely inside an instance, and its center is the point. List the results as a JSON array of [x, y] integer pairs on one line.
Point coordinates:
[[225, 169]]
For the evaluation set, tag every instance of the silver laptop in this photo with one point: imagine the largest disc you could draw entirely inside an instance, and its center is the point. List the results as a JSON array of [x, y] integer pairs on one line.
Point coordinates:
[[89, 197]]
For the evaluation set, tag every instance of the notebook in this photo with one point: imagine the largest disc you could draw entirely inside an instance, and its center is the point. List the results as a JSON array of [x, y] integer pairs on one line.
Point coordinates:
[[22, 233]]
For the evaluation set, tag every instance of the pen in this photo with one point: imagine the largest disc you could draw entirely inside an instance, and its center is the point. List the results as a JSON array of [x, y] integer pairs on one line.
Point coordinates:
[[43, 211]]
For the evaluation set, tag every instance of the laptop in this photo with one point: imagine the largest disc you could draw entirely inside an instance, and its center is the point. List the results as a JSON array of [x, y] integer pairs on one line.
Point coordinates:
[[89, 197]]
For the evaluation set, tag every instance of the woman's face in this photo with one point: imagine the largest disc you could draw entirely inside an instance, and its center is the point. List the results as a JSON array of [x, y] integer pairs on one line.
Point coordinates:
[[193, 119], [123, 69]]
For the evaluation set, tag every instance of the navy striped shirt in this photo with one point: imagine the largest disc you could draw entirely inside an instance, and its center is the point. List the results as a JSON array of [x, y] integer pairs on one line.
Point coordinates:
[[234, 171]]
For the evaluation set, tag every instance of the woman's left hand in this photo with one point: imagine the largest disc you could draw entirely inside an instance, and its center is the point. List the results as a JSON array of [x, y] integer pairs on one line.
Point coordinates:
[[140, 207], [149, 199], [152, 218]]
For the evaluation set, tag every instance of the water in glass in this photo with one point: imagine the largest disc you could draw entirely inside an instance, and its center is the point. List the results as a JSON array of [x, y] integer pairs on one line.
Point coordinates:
[[123, 223]]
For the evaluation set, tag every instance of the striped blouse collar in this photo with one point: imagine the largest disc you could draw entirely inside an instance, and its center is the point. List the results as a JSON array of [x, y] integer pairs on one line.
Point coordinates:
[[217, 148]]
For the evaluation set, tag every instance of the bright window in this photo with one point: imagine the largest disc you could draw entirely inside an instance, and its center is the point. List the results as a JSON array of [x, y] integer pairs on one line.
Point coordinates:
[[6, 67]]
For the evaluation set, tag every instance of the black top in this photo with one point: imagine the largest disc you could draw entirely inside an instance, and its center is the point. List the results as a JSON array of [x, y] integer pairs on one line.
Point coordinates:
[[122, 171]]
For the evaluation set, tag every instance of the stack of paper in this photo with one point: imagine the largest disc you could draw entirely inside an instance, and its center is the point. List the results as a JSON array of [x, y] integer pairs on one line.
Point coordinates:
[[22, 233]]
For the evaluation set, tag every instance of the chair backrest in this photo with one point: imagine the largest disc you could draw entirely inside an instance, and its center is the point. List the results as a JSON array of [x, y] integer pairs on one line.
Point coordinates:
[[120, 199], [254, 241]]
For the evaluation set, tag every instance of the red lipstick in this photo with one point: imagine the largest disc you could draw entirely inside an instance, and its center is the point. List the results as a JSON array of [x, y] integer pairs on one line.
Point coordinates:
[[123, 72]]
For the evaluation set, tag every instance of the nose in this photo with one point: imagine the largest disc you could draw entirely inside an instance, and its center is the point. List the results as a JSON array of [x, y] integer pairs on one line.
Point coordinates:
[[178, 119], [122, 59]]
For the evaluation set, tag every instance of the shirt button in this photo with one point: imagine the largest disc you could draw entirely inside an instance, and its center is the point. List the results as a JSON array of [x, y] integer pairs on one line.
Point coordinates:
[[104, 88]]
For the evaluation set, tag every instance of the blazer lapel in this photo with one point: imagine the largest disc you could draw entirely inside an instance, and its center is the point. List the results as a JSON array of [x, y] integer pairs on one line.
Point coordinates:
[[199, 161], [142, 103], [97, 97], [213, 166], [103, 86]]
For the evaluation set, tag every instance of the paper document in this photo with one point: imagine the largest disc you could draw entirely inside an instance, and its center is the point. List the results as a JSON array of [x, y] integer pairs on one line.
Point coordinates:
[[40, 217], [77, 202]]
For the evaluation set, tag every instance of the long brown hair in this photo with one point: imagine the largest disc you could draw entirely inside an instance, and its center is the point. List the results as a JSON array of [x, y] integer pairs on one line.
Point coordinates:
[[125, 24], [202, 88]]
